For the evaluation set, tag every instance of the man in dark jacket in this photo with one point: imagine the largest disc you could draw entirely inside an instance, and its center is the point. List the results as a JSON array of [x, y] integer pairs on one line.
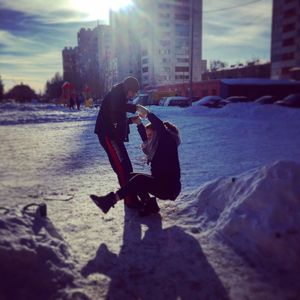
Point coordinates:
[[112, 128]]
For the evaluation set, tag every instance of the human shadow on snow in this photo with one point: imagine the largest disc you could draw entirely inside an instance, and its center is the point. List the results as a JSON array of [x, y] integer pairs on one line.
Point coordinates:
[[163, 264]]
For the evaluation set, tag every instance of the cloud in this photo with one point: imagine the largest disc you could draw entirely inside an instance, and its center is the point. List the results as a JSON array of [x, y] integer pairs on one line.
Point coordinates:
[[27, 60], [53, 12], [237, 34]]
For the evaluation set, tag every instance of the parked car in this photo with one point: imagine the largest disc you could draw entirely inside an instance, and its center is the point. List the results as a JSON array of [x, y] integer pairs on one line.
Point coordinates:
[[177, 101], [237, 99], [211, 101], [141, 99], [292, 100], [267, 99]]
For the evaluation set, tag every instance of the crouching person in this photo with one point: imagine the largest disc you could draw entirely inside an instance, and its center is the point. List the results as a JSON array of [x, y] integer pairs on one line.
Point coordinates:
[[160, 144]]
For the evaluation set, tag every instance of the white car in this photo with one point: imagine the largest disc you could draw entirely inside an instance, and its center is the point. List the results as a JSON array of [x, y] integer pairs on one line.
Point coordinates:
[[211, 101], [177, 101]]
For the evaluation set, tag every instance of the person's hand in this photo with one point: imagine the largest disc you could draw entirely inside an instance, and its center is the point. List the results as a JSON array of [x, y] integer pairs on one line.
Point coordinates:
[[142, 110], [136, 120]]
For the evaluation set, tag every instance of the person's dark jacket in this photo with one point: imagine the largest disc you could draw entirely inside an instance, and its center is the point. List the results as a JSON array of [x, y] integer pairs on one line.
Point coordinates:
[[112, 120], [165, 162]]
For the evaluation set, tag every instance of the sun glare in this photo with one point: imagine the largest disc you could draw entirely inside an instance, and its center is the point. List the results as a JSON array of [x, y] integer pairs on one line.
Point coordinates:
[[98, 9], [118, 4]]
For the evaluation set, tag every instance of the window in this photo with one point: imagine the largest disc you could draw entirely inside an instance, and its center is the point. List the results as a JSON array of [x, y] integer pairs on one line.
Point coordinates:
[[182, 77], [289, 13], [164, 24], [145, 69], [288, 27], [285, 71], [287, 56], [165, 43], [288, 42], [179, 28], [182, 60], [181, 69], [182, 17]]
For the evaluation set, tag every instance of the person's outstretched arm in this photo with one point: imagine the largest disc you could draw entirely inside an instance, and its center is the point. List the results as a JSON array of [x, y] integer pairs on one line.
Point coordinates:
[[140, 127], [157, 124]]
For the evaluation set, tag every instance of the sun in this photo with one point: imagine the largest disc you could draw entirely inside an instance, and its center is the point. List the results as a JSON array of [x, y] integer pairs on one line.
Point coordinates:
[[98, 9]]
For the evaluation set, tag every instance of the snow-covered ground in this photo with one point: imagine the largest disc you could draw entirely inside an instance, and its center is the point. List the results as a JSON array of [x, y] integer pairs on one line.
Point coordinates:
[[233, 233]]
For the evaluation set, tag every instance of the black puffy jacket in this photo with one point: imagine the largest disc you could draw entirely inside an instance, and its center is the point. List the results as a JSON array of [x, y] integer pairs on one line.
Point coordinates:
[[165, 162], [112, 120]]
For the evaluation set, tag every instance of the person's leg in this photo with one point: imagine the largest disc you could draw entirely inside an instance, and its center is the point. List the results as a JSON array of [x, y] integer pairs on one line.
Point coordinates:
[[137, 185], [121, 164]]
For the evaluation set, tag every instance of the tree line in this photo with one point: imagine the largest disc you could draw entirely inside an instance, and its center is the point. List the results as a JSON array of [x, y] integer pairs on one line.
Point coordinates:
[[24, 93]]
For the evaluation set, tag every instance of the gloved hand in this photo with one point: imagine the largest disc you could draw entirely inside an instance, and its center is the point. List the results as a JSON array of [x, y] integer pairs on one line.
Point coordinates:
[[142, 110]]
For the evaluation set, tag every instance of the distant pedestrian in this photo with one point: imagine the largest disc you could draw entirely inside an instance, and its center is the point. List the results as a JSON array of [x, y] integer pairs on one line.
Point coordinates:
[[72, 103], [78, 102]]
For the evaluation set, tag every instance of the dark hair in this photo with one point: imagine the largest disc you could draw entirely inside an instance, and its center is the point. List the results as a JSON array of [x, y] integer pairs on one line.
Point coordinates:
[[167, 124], [131, 84]]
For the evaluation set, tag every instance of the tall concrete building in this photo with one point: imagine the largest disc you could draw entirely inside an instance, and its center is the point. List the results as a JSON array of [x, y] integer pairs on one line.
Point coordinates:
[[285, 44], [94, 50], [88, 64], [169, 30], [69, 56]]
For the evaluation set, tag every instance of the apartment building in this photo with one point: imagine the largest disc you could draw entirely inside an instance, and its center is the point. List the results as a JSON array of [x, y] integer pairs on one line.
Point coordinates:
[[285, 44], [168, 30], [88, 64], [69, 56], [94, 50]]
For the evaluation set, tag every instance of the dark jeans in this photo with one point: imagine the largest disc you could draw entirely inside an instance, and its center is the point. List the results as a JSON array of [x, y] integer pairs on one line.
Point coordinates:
[[119, 160], [143, 185]]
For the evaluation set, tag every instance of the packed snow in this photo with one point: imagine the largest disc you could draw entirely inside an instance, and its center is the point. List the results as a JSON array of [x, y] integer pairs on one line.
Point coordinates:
[[233, 232]]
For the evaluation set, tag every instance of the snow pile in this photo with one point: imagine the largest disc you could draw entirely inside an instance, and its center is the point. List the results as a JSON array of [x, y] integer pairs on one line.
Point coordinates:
[[35, 262], [258, 212]]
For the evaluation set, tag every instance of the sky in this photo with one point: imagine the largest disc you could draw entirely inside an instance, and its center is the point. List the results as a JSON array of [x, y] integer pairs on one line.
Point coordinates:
[[33, 35]]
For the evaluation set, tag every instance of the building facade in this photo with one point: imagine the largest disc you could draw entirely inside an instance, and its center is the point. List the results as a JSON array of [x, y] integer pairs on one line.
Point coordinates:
[[69, 56], [94, 53], [285, 44], [169, 30], [87, 66]]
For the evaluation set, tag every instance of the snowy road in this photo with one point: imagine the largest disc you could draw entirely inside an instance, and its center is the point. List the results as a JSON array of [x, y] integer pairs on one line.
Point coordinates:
[[61, 163]]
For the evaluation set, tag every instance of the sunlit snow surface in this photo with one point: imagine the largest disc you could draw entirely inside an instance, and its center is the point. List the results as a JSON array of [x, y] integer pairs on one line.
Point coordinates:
[[240, 178]]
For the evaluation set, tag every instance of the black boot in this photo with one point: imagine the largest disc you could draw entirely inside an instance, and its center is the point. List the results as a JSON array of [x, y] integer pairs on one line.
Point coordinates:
[[105, 202], [150, 207]]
